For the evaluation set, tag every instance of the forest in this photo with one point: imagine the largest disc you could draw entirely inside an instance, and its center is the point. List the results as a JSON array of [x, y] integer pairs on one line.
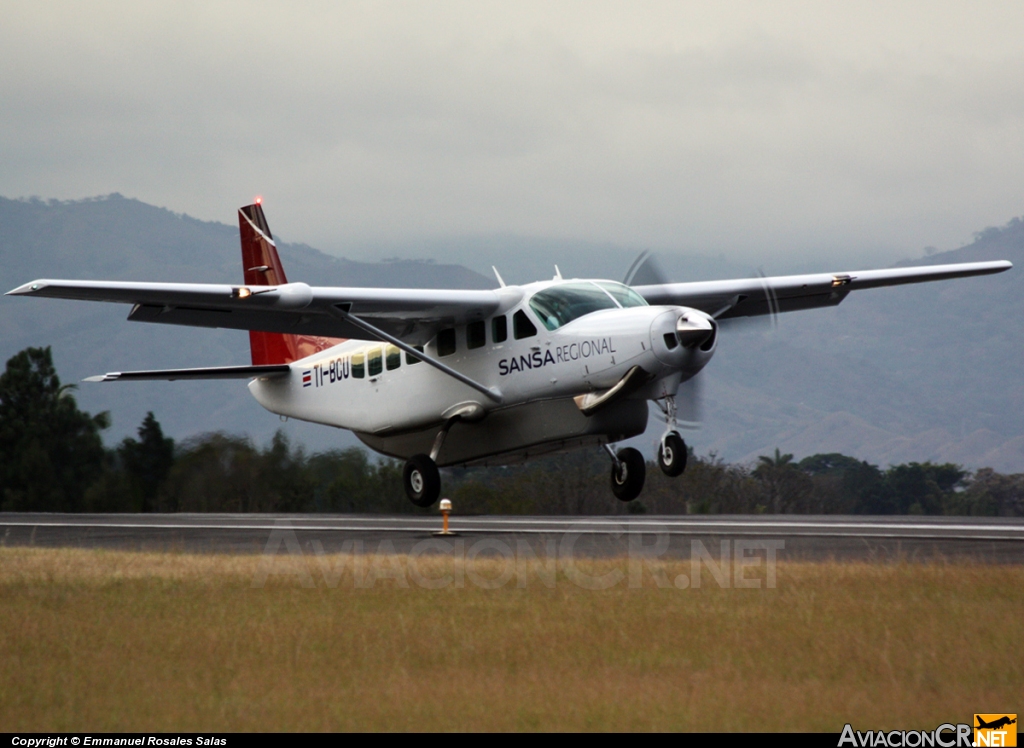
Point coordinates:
[[52, 459]]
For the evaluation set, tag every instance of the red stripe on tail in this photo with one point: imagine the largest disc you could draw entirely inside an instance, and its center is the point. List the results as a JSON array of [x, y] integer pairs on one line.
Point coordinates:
[[262, 267]]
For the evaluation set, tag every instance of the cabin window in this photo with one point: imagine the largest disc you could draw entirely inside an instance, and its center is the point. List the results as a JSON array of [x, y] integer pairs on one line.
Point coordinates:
[[521, 326], [499, 329], [476, 334], [446, 342], [393, 357], [358, 365], [411, 359], [375, 362]]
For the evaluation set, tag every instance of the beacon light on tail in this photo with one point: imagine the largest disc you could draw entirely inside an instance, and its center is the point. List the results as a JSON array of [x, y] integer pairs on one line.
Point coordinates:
[[447, 377]]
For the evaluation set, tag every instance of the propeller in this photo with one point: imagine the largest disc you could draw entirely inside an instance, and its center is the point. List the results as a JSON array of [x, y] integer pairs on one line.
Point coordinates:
[[645, 270], [690, 403], [768, 322]]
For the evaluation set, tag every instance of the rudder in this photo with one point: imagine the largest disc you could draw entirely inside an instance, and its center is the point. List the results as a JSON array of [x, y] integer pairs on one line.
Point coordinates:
[[262, 267]]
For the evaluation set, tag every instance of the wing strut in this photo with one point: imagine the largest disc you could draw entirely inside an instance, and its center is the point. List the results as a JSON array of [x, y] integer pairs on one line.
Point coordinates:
[[339, 310]]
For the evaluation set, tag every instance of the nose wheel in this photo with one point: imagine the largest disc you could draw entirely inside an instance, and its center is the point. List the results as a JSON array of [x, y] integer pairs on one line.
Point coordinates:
[[422, 480], [628, 472], [672, 449], [672, 454]]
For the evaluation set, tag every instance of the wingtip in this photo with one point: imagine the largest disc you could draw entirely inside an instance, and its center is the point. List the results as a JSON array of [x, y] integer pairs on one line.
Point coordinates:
[[25, 289], [102, 378]]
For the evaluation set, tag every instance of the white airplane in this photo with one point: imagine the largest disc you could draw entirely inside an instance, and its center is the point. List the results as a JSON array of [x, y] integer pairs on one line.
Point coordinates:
[[442, 378]]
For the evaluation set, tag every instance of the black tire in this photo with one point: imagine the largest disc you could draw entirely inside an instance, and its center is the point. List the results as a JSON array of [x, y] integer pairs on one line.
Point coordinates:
[[628, 480], [672, 455], [422, 480]]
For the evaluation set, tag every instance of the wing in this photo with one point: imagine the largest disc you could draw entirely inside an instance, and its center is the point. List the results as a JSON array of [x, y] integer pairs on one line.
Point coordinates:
[[754, 296], [412, 315]]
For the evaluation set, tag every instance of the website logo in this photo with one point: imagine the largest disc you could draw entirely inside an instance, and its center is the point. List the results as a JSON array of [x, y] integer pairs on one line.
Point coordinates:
[[995, 730]]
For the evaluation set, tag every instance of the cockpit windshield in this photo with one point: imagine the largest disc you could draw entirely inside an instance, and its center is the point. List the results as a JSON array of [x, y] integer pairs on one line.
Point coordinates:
[[560, 305], [623, 294]]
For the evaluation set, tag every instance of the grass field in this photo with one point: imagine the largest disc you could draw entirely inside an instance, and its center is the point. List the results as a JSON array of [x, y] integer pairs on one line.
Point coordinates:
[[99, 640]]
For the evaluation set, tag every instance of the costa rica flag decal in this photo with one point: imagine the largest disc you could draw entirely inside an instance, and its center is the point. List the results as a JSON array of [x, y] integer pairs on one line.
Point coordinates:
[[307, 378]]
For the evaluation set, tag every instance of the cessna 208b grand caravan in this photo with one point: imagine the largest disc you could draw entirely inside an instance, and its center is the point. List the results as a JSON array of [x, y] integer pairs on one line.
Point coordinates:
[[442, 378]]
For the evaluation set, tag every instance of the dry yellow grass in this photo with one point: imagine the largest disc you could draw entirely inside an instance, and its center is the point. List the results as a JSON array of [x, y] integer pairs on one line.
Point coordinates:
[[96, 640]]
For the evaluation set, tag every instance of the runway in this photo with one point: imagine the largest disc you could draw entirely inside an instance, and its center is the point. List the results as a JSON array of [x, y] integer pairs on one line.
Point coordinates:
[[989, 539]]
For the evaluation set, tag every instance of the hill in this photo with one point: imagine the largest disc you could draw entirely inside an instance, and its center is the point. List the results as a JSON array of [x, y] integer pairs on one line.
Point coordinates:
[[117, 238], [929, 372], [891, 375]]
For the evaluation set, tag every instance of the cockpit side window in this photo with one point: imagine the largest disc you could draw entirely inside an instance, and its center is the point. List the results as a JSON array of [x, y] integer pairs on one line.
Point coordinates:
[[521, 326], [560, 305]]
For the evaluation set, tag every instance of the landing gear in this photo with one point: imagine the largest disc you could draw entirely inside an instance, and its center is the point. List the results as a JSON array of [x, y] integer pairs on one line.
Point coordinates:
[[672, 454], [628, 472], [672, 449], [422, 480], [421, 477]]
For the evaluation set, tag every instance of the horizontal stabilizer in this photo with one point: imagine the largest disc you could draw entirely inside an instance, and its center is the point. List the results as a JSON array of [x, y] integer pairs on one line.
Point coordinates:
[[211, 372]]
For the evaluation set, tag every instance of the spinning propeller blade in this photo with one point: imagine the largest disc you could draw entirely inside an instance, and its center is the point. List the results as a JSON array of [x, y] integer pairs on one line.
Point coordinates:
[[690, 403], [769, 323], [645, 271]]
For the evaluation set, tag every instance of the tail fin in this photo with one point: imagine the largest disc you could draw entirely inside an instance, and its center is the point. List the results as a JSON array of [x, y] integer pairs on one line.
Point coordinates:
[[262, 267]]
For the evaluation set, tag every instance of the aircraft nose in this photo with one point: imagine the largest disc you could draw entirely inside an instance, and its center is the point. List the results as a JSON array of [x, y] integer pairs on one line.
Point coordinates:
[[693, 329]]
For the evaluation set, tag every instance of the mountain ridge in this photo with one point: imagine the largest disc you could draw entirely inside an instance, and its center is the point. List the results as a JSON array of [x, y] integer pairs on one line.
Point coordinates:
[[891, 375]]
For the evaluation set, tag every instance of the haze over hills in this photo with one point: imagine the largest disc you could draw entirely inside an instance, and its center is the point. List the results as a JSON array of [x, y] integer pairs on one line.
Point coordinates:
[[926, 372], [116, 238], [891, 375]]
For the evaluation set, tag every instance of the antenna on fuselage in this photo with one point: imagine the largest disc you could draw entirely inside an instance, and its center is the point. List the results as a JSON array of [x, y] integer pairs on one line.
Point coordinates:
[[498, 276], [558, 274]]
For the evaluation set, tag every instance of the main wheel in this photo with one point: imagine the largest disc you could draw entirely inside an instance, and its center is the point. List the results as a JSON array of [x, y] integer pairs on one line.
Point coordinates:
[[672, 455], [422, 480], [628, 476]]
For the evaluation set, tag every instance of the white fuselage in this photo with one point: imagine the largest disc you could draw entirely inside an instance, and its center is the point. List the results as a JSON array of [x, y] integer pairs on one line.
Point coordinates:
[[372, 388]]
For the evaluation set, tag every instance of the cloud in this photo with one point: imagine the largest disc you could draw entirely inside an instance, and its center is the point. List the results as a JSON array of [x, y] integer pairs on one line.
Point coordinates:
[[751, 129]]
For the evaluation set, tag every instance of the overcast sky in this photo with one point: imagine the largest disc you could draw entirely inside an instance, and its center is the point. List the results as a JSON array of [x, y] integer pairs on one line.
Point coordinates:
[[813, 129]]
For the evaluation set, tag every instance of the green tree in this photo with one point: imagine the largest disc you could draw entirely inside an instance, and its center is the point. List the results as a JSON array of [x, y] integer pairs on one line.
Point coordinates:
[[147, 462], [846, 485], [923, 487], [349, 481], [50, 451], [214, 473], [989, 493], [283, 474], [787, 487], [227, 473]]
